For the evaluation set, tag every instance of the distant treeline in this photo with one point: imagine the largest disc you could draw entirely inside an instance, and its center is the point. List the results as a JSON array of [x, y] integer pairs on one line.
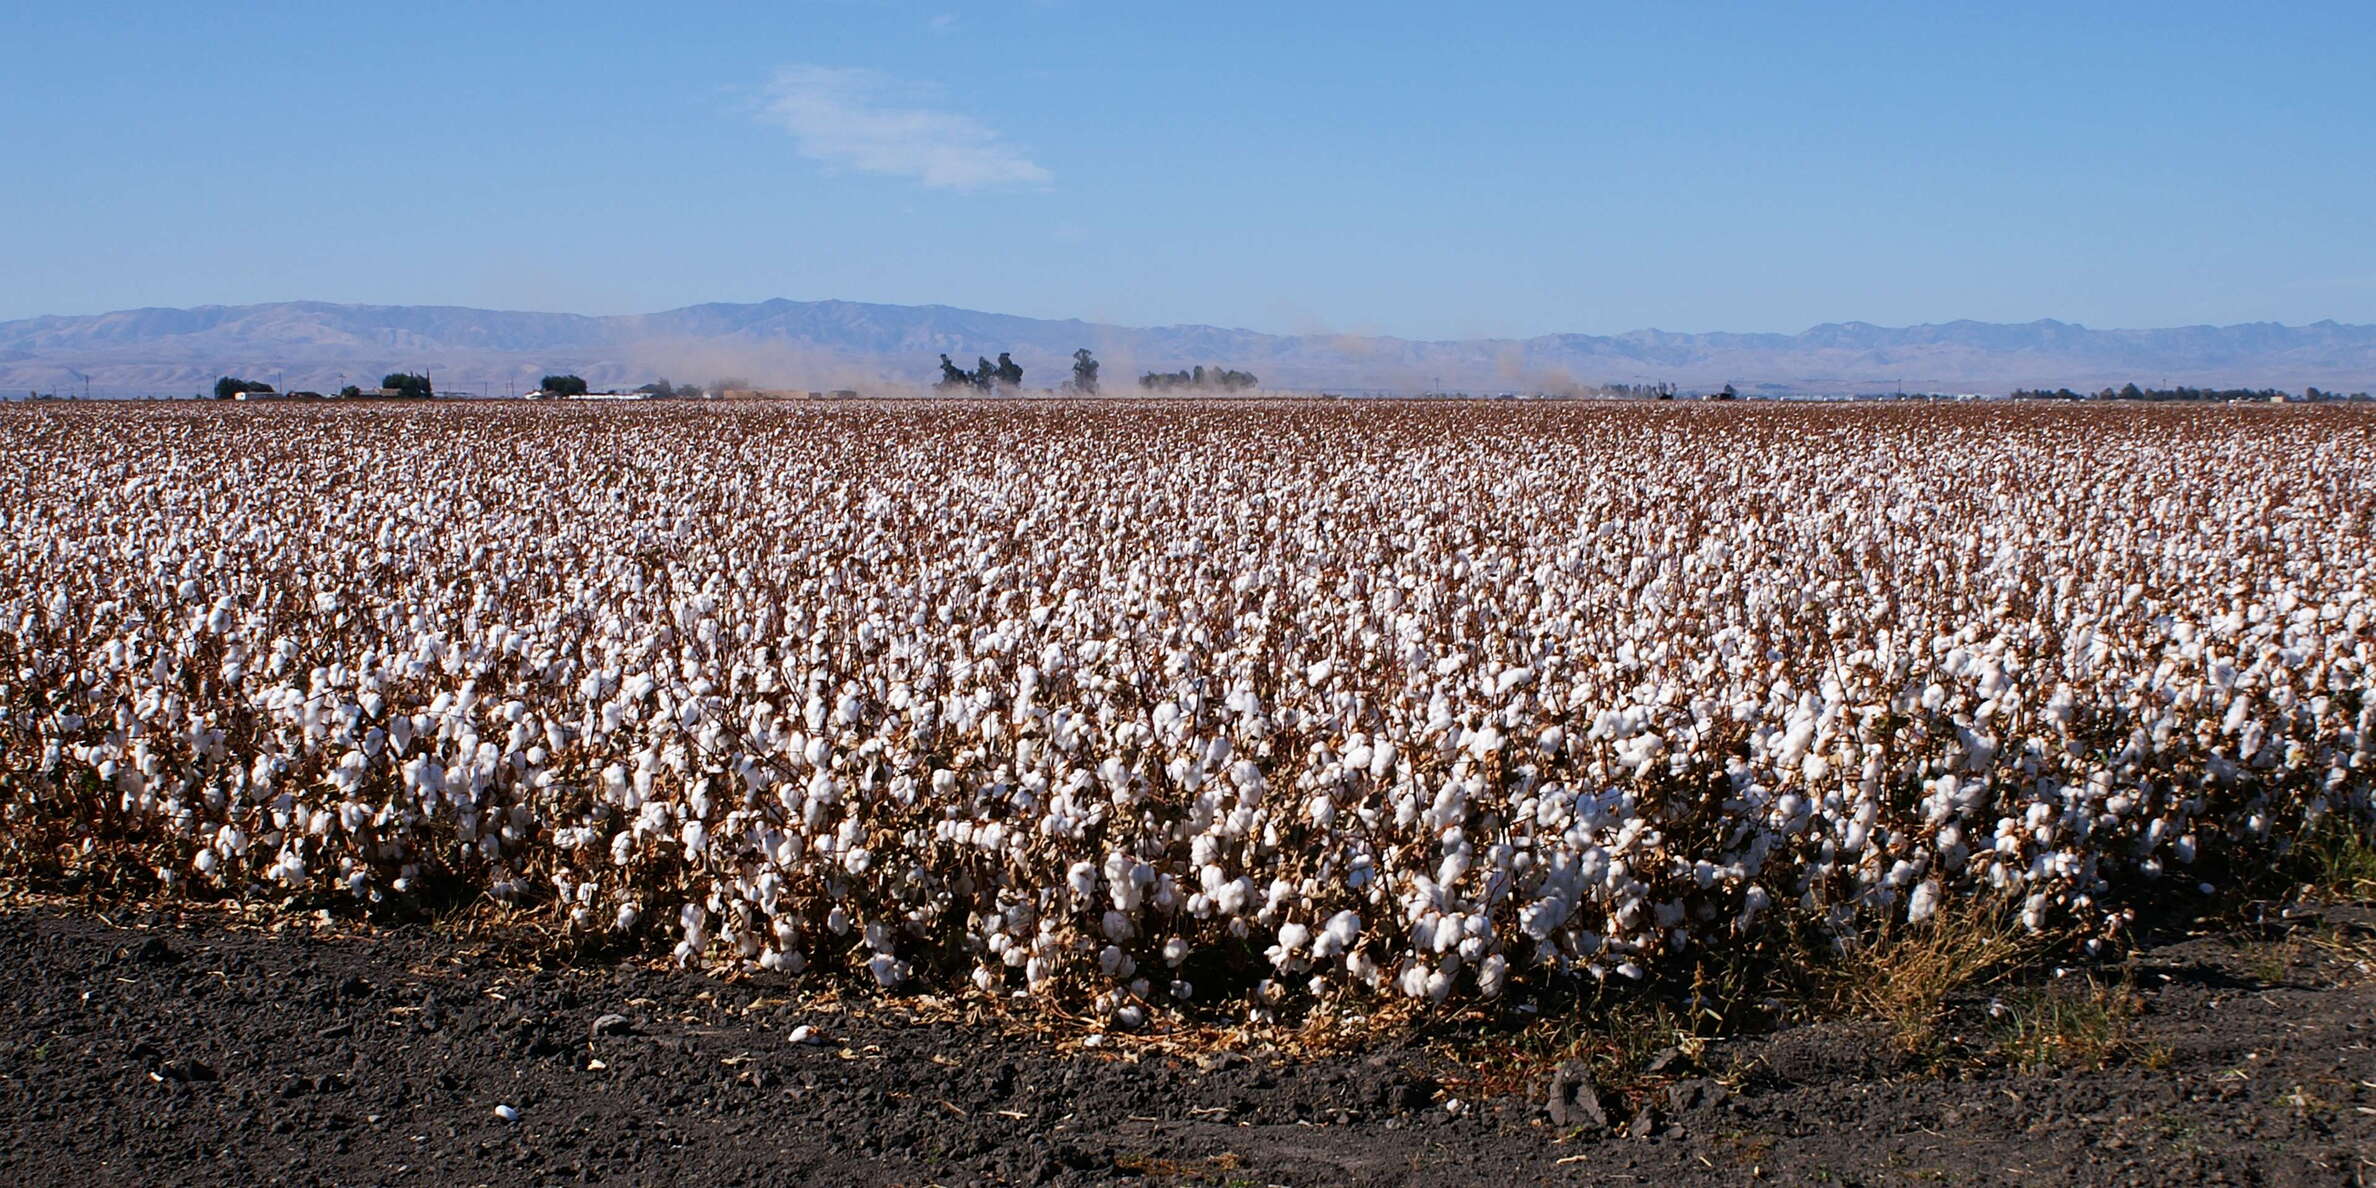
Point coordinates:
[[1658, 391], [2133, 392], [398, 383], [230, 386], [1199, 378]]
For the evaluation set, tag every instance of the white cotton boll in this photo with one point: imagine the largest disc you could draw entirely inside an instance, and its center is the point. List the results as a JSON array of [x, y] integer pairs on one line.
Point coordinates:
[[1492, 975], [1447, 933], [1175, 951], [1357, 757], [1412, 981], [1344, 928], [1924, 903], [1293, 937], [1485, 742], [1361, 966], [1439, 985], [1423, 934]]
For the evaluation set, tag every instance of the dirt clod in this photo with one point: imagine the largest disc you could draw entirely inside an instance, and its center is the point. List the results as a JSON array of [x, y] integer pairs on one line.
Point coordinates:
[[1574, 1099]]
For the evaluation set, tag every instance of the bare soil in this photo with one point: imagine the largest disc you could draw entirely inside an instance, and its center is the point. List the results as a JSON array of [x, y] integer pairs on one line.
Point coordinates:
[[185, 1048]]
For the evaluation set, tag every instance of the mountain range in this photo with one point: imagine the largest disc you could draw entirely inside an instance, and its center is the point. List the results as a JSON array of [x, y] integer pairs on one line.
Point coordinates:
[[885, 348]]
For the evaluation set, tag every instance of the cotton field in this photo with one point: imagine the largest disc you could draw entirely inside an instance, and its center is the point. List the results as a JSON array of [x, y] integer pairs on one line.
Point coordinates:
[[1099, 700]]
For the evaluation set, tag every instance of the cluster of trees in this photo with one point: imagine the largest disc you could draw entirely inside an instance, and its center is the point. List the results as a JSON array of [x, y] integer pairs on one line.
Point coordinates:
[[2133, 392], [1658, 391], [1005, 374], [401, 383], [228, 387], [660, 387], [572, 385], [1199, 379], [407, 384]]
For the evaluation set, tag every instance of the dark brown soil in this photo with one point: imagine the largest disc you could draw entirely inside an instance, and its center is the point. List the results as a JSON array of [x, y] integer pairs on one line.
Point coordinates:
[[183, 1050]]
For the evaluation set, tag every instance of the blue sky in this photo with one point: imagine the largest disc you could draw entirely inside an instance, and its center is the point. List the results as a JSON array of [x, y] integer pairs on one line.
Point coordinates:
[[1424, 170]]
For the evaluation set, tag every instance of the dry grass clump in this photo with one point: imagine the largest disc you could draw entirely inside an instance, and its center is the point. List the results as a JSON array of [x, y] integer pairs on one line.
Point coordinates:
[[2337, 862], [1123, 707], [2076, 1024], [1909, 976]]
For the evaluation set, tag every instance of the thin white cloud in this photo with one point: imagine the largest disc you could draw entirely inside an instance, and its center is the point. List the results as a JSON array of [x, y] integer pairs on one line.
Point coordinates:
[[944, 23], [864, 120]]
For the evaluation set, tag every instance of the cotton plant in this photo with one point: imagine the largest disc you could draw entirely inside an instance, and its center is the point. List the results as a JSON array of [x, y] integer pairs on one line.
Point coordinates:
[[1103, 701]]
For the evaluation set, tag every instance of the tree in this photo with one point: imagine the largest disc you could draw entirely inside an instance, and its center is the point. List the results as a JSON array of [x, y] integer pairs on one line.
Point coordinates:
[[228, 387], [952, 377], [563, 385], [405, 383], [659, 388], [349, 392]]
